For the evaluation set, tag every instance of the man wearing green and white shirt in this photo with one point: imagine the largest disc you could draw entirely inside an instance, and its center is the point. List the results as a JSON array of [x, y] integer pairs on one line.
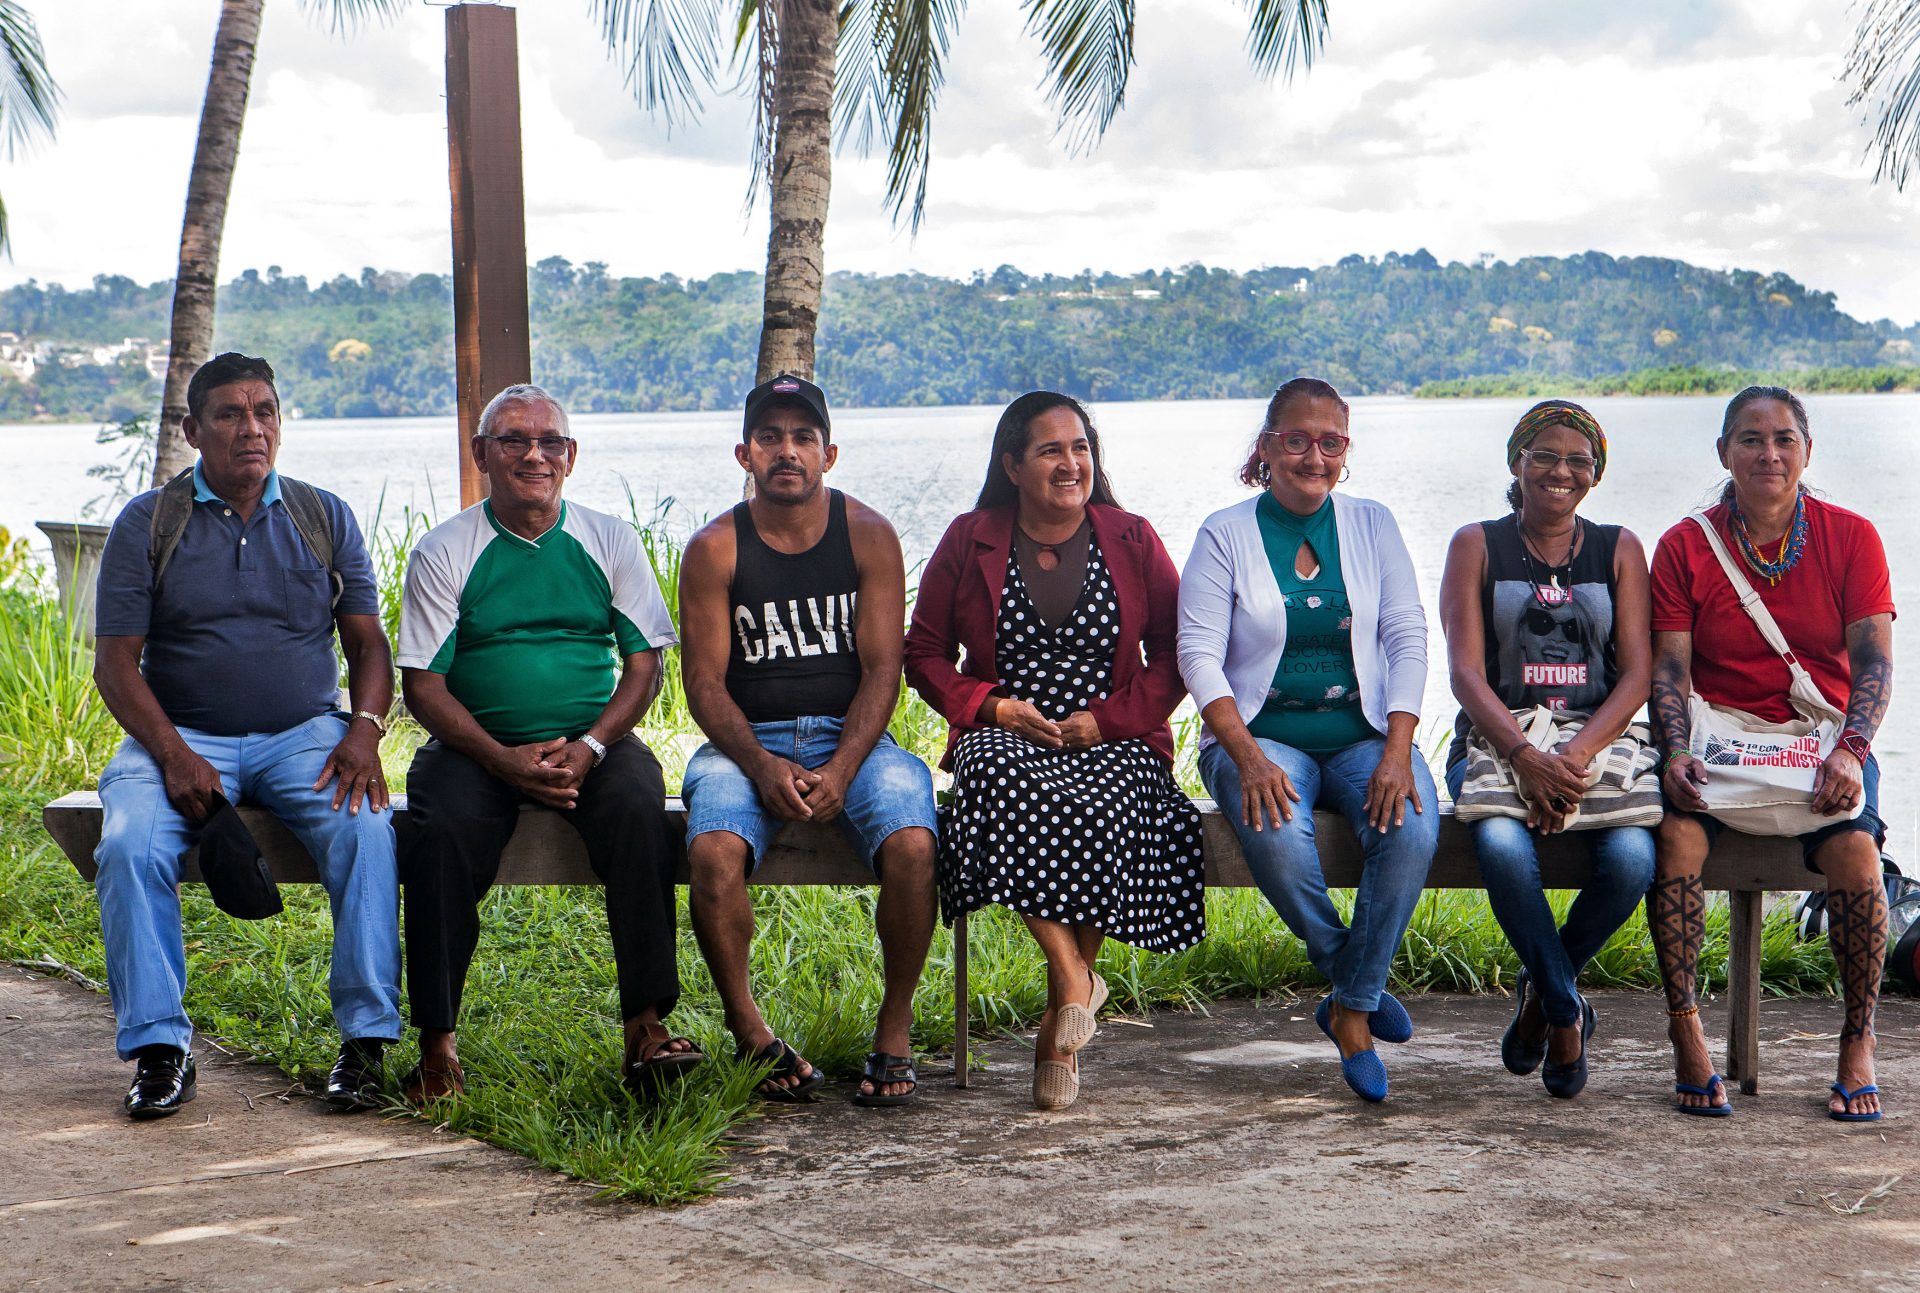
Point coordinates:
[[514, 614]]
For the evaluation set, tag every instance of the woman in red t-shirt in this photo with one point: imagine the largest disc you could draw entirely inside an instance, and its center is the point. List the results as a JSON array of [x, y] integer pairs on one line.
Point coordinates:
[[1822, 573]]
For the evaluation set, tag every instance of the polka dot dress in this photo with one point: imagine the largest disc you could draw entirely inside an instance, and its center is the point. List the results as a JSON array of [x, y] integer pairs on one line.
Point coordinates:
[[1099, 837]]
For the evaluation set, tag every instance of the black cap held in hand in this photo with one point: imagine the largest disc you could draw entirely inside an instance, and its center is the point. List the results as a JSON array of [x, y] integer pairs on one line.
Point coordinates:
[[231, 864], [785, 387]]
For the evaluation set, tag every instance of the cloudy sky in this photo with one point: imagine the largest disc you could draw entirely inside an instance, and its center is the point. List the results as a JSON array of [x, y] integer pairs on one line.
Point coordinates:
[[1711, 130]]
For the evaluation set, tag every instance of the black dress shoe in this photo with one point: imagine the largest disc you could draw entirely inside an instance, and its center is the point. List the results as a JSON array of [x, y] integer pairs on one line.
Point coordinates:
[[163, 1080], [356, 1078]]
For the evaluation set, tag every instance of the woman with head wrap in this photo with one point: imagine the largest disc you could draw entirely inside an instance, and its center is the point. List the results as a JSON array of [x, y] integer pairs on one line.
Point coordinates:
[[1304, 644], [1545, 608]]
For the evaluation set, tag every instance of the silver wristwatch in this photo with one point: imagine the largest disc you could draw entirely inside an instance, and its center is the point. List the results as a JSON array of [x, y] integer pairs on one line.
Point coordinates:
[[599, 750]]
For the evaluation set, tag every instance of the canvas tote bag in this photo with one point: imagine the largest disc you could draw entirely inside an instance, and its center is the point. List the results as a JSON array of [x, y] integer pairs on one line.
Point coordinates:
[[1623, 782], [1760, 774]]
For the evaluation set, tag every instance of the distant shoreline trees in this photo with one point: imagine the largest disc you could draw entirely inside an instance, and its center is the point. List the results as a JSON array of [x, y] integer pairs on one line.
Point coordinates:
[[380, 344]]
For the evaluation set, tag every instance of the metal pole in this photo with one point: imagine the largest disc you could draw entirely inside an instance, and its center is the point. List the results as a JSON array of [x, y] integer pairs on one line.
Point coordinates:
[[489, 218]]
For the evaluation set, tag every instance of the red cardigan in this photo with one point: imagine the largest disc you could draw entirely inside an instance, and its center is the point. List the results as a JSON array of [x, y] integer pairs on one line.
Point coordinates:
[[958, 606]]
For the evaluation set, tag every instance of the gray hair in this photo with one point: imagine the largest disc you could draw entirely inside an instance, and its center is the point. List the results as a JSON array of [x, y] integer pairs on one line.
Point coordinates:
[[523, 393]]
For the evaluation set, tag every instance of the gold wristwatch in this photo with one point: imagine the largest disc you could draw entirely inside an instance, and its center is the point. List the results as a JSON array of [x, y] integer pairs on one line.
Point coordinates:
[[379, 723]]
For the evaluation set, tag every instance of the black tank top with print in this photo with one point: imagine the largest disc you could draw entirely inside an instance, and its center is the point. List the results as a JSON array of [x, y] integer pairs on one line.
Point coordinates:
[[1548, 630], [792, 653]]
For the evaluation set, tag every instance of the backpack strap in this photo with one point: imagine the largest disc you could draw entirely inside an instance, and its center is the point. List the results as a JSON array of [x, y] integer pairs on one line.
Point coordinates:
[[170, 514], [315, 524], [309, 515]]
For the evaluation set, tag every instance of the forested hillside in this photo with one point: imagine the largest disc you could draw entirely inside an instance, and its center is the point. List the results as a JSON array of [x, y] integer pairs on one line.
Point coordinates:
[[381, 344]]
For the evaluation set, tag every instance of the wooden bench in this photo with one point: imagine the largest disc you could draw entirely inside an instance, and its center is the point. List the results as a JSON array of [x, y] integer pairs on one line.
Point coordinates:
[[545, 850]]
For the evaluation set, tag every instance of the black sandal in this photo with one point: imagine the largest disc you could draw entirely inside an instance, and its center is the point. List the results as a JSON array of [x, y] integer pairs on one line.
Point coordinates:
[[884, 1069], [786, 1063], [649, 1066]]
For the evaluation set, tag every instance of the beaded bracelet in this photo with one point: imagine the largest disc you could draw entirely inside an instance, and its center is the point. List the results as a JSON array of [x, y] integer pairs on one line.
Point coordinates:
[[1667, 762]]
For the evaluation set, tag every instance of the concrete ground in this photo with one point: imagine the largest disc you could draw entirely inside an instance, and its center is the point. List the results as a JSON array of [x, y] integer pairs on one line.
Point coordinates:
[[1208, 1151]]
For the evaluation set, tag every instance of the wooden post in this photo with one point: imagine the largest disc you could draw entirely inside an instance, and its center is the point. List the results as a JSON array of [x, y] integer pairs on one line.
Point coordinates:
[[489, 218], [1743, 988], [960, 1001]]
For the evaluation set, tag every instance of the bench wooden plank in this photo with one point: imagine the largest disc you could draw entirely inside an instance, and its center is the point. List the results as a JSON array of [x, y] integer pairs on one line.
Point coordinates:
[[544, 850]]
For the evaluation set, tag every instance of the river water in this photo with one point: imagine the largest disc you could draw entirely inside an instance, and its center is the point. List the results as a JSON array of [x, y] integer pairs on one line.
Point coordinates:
[[1436, 463]]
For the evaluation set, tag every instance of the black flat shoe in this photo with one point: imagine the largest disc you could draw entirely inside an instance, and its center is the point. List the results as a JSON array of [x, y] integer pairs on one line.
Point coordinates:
[[163, 1080], [1569, 1080], [357, 1075], [1516, 1052]]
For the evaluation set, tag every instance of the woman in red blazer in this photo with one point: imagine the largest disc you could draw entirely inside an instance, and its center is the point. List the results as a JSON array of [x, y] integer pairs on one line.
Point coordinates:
[[1044, 632]]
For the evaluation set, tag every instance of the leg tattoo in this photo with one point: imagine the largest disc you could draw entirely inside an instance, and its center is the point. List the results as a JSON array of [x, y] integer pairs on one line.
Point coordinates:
[[1677, 913], [1857, 933]]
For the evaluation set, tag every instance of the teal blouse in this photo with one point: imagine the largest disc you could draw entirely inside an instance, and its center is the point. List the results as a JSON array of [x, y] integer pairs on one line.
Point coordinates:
[[1313, 703]]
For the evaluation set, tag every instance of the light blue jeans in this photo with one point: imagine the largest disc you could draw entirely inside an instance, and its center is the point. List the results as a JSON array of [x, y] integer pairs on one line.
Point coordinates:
[[1286, 861], [1510, 868], [143, 838]]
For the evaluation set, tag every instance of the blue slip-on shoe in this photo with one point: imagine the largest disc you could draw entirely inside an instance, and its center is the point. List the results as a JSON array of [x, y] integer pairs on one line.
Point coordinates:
[[1568, 1080], [1390, 1021], [1363, 1070], [1841, 1115], [1703, 1110], [1520, 1055]]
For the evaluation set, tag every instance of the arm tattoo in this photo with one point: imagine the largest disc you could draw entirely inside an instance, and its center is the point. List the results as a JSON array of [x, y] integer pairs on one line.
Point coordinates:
[[1677, 913], [1857, 933], [1872, 667], [1667, 702]]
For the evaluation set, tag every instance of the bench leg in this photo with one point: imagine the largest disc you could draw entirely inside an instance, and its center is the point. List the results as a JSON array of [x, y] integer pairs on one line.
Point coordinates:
[[1743, 988], [960, 1000]]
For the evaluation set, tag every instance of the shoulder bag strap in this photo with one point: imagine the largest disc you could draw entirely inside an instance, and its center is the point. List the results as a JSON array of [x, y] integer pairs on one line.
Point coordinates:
[[170, 514], [1803, 689], [310, 518]]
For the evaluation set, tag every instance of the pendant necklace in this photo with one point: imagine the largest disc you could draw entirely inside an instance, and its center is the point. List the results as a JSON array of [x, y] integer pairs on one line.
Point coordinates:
[[1551, 592]]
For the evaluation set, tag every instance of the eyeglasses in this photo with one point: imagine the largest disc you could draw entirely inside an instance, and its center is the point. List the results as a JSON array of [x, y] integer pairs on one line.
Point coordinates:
[[1579, 464], [1542, 625], [551, 446], [1332, 445]]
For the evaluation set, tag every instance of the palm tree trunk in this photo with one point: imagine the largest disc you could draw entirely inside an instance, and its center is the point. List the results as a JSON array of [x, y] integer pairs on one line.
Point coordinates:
[[801, 175], [221, 115]]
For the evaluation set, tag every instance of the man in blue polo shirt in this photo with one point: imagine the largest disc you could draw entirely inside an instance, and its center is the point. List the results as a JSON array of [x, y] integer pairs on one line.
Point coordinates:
[[214, 651]]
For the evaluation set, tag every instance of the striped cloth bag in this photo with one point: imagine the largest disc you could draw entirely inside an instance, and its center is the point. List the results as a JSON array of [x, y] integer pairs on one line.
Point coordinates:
[[1623, 783]]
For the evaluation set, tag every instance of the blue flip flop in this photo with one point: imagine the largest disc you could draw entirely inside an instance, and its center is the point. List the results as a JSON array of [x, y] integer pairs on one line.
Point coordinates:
[[1704, 1110], [1847, 1097], [1363, 1070], [1390, 1021]]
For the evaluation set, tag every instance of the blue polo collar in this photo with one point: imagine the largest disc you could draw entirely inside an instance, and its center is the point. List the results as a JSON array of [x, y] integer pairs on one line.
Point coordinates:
[[203, 493]]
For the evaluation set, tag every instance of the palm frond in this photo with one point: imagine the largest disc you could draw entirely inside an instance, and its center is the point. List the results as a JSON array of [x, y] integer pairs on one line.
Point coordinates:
[[1883, 64], [917, 39], [670, 49], [860, 76], [346, 17], [29, 100], [1088, 45], [1285, 34], [765, 52]]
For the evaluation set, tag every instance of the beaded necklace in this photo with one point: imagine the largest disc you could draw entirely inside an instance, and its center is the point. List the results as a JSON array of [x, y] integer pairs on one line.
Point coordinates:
[[1793, 544]]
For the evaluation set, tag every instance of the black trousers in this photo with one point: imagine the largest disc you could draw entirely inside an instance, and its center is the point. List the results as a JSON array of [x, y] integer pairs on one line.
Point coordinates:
[[458, 821]]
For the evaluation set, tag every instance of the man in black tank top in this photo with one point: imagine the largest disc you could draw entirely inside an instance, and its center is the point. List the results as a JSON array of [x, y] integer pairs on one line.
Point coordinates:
[[792, 614]]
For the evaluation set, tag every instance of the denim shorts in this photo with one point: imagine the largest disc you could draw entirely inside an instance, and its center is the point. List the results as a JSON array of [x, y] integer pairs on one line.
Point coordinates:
[[892, 791], [1867, 823]]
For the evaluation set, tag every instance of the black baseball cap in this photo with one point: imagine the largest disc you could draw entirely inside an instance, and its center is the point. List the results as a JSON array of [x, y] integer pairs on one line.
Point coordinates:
[[785, 387]]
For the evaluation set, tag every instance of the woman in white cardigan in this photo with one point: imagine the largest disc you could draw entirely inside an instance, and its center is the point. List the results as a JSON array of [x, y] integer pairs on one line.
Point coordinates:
[[1304, 644]]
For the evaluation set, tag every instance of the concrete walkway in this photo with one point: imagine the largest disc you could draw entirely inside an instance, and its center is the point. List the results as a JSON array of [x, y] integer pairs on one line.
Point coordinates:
[[1209, 1151]]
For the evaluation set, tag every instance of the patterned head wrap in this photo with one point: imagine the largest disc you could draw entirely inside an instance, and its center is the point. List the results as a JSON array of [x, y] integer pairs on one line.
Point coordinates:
[[1558, 413]]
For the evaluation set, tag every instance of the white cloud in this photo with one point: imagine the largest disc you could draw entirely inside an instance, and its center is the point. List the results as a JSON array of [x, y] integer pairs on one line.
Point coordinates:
[[1711, 131]]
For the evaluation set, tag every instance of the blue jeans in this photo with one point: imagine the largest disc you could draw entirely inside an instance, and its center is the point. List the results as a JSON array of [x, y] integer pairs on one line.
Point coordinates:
[[143, 839], [892, 790], [1509, 867], [1286, 862]]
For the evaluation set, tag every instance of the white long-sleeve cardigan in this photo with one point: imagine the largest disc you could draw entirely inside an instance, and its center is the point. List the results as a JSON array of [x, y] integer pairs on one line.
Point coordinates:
[[1233, 619]]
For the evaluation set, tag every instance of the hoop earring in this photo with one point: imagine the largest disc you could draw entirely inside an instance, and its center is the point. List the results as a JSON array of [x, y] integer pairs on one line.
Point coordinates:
[[1344, 473], [1265, 473]]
